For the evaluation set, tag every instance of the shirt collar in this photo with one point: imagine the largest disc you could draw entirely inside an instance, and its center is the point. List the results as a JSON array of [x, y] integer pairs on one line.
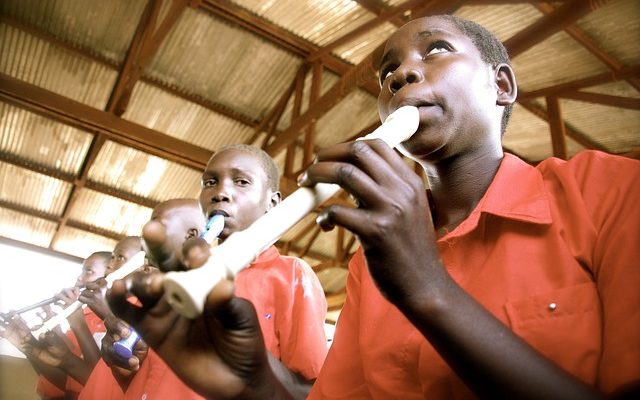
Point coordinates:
[[516, 193], [267, 256]]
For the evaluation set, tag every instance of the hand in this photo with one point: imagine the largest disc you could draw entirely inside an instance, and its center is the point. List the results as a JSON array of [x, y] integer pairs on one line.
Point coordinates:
[[94, 296], [16, 331], [392, 220], [52, 350], [220, 354], [117, 329], [68, 296]]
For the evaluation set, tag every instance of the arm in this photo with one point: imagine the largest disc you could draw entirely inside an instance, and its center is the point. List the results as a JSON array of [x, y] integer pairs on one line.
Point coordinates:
[[404, 262], [220, 354], [88, 346], [18, 334]]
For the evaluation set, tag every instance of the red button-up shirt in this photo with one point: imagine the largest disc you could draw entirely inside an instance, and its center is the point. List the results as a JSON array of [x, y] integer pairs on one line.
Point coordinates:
[[551, 251]]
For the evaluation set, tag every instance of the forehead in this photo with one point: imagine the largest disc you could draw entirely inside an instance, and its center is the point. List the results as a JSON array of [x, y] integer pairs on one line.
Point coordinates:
[[94, 262], [127, 246], [418, 30], [235, 160], [185, 212]]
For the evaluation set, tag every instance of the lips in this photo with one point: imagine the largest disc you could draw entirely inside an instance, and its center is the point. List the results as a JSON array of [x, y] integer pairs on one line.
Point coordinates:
[[218, 212]]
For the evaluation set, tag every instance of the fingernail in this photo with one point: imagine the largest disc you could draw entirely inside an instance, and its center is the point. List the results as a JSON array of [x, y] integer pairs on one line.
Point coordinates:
[[302, 178]]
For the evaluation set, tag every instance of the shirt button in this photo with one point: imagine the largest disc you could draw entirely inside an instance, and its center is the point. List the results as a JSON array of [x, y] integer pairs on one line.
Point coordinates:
[[552, 306]]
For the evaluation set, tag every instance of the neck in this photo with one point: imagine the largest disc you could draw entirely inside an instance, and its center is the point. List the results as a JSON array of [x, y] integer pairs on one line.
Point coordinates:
[[457, 184]]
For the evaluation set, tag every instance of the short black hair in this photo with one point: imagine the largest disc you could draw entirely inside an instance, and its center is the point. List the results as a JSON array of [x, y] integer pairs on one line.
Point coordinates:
[[266, 162], [491, 50]]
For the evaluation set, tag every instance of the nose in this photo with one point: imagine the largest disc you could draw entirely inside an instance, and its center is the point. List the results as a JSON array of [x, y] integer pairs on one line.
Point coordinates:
[[404, 76], [220, 193]]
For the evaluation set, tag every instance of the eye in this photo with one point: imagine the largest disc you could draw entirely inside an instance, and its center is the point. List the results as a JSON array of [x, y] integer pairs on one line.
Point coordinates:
[[120, 258], [436, 48], [209, 182], [242, 181]]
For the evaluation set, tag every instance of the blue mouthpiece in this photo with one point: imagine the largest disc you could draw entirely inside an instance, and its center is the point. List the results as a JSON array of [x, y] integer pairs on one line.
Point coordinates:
[[124, 347], [214, 228]]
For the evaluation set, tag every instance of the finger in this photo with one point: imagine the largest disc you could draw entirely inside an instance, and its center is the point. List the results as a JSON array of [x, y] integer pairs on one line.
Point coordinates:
[[159, 253], [196, 252], [354, 219], [348, 176], [117, 299]]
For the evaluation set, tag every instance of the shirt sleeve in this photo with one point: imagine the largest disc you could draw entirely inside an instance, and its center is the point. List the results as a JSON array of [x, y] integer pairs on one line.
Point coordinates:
[[612, 195], [342, 376], [303, 344]]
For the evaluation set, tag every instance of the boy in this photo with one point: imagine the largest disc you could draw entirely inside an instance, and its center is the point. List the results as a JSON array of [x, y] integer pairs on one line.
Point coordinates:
[[522, 281], [64, 363], [241, 183]]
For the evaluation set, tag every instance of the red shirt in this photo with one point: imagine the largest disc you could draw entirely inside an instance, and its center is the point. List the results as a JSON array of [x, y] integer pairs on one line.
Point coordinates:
[[46, 389], [551, 251], [291, 308]]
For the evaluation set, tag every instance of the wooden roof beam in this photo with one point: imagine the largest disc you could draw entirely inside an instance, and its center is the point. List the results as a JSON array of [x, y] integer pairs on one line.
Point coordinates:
[[354, 78], [546, 26], [378, 7], [594, 80], [588, 43], [281, 37], [178, 92], [146, 41], [71, 112], [603, 99], [574, 134], [385, 15]]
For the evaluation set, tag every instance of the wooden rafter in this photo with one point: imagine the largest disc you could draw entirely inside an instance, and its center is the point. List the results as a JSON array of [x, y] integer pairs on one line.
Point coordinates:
[[571, 86], [277, 35], [603, 99], [588, 43], [384, 16], [574, 134], [82, 116], [558, 19], [557, 128]]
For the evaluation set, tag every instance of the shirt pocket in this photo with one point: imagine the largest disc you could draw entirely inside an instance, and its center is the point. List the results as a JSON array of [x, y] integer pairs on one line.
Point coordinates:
[[565, 325]]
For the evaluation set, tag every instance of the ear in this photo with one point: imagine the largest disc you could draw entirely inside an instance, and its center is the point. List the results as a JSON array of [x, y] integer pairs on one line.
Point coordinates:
[[275, 199], [506, 85]]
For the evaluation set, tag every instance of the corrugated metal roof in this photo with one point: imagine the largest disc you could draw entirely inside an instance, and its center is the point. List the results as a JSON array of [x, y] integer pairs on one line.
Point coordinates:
[[555, 60], [616, 29], [224, 64], [165, 112], [109, 213], [25, 228], [319, 21], [105, 28], [33, 60], [530, 135], [32, 190], [595, 120], [133, 171], [81, 243], [499, 20], [41, 140]]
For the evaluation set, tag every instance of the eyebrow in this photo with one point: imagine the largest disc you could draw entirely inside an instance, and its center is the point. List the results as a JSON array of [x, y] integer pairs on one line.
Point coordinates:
[[419, 36]]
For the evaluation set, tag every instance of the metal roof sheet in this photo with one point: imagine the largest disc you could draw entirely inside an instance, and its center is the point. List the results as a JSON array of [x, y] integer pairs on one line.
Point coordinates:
[[41, 141], [139, 173], [25, 228], [109, 213], [81, 243], [32, 190]]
